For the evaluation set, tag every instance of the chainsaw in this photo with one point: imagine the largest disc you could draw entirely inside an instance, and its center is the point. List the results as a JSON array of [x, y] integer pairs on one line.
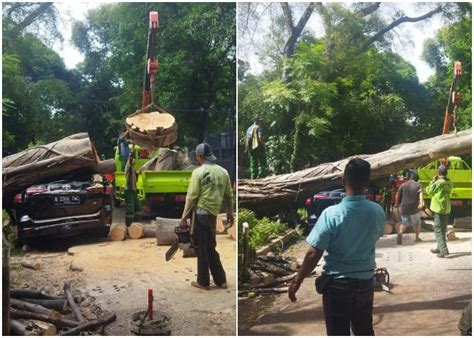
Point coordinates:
[[381, 279], [184, 239]]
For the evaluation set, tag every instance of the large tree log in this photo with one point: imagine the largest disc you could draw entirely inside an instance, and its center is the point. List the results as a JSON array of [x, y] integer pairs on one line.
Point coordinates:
[[136, 230], [94, 324], [72, 155], [118, 232], [59, 322], [17, 328], [271, 194]]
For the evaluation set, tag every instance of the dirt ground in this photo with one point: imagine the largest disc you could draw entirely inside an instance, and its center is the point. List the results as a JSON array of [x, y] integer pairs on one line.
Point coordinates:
[[427, 293], [117, 275]]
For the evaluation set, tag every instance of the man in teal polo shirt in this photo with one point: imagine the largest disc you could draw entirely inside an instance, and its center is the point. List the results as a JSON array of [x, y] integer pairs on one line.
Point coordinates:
[[348, 233], [440, 189], [209, 186]]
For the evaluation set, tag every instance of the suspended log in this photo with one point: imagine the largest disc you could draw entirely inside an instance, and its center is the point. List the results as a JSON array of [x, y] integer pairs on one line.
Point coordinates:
[[29, 293], [118, 232], [94, 324], [55, 304], [72, 304], [136, 230], [272, 194], [35, 308], [149, 230], [35, 265], [59, 322], [152, 130]]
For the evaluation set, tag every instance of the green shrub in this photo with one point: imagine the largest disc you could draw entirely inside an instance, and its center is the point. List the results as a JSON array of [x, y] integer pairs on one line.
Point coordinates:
[[261, 231]]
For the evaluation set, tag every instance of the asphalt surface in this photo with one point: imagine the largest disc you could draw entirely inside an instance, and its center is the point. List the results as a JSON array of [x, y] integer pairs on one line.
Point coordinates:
[[427, 293]]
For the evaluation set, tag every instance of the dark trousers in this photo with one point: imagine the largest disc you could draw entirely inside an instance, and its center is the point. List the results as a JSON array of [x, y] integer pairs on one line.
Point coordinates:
[[204, 239], [348, 303], [132, 207], [440, 225]]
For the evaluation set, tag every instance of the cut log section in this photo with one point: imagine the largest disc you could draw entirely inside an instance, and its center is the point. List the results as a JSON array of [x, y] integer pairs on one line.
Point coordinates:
[[94, 324], [17, 328], [59, 322], [35, 308], [35, 265], [272, 194], [47, 328], [165, 234], [118, 232], [149, 230], [152, 130], [136, 230]]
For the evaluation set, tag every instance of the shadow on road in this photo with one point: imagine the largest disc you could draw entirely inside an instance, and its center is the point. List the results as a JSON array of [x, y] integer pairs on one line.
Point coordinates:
[[451, 303]]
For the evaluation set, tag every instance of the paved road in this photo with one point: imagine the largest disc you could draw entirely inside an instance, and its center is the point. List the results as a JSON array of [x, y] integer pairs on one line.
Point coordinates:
[[427, 296]]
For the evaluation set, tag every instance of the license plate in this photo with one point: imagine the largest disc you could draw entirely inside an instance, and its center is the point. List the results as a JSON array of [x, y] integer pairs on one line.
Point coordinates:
[[67, 200]]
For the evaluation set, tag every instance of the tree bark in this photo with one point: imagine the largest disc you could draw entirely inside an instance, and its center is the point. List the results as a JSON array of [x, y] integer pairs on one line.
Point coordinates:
[[59, 322], [118, 232], [35, 308], [72, 304], [35, 265], [272, 194], [19, 329], [55, 304], [136, 230], [94, 324], [28, 293]]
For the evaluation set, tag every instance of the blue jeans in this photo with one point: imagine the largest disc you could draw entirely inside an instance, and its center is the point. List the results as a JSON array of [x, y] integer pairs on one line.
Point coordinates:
[[348, 303]]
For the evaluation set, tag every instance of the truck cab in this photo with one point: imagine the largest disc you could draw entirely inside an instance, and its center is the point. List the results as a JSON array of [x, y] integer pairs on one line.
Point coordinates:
[[460, 174]]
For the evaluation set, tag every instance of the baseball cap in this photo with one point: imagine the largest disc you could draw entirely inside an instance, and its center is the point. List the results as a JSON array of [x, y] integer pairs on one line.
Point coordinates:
[[205, 150]]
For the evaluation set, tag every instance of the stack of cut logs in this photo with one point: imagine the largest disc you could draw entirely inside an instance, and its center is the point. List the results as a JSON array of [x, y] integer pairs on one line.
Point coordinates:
[[34, 313], [269, 274]]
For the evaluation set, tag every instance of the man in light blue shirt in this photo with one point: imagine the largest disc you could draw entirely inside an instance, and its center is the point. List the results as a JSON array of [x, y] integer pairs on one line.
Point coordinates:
[[348, 233]]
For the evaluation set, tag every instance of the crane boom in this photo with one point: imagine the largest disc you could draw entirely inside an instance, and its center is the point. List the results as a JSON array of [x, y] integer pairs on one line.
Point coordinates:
[[151, 65]]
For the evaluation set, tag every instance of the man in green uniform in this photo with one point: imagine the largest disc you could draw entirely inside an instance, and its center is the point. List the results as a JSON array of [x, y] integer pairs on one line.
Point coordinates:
[[255, 146], [209, 186], [440, 190], [132, 204]]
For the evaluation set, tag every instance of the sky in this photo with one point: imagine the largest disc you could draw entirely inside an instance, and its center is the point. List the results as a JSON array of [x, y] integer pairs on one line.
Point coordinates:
[[410, 51], [408, 42]]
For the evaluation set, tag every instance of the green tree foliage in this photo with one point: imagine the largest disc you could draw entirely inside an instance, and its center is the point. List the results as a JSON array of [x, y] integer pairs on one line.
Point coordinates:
[[44, 101], [343, 97]]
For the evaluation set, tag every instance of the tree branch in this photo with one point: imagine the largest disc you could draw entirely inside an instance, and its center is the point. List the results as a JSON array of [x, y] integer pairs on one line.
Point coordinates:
[[291, 42], [369, 9], [30, 18], [398, 22], [289, 18]]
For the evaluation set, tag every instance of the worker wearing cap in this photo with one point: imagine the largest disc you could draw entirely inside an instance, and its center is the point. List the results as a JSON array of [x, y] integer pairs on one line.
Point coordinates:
[[255, 146], [132, 203], [209, 186], [440, 190]]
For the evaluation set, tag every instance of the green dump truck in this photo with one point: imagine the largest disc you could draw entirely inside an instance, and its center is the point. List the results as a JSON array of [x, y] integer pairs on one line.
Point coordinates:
[[460, 173], [160, 192]]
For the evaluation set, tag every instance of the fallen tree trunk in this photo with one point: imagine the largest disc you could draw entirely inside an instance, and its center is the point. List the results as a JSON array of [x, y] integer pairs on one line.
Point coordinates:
[[46, 163], [19, 329], [272, 194], [59, 322], [94, 324]]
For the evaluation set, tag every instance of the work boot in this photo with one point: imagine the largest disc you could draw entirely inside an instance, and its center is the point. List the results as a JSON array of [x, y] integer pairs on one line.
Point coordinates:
[[399, 239], [222, 286], [435, 251], [199, 286], [418, 239], [441, 255]]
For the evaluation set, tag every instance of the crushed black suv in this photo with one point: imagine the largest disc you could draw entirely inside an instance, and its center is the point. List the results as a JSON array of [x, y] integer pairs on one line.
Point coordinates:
[[64, 208]]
